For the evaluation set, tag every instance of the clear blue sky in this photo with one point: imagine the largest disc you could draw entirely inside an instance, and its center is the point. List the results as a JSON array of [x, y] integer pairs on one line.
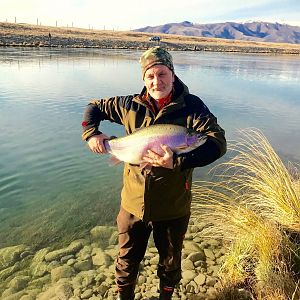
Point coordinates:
[[132, 14]]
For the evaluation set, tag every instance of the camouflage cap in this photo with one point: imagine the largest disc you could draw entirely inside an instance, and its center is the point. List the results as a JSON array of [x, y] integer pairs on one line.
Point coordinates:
[[155, 56]]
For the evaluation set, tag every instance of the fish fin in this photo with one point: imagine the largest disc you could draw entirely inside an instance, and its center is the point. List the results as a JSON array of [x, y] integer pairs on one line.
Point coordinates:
[[144, 165], [113, 161], [181, 147]]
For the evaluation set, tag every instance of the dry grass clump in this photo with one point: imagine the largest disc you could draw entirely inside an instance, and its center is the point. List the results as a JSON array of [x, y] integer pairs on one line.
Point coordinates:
[[255, 209], [258, 172]]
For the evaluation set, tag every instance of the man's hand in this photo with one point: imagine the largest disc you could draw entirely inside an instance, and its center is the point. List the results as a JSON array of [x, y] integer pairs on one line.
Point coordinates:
[[165, 160], [96, 143]]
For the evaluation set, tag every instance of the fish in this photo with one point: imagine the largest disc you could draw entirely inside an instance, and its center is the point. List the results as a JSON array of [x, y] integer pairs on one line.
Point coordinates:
[[133, 147]]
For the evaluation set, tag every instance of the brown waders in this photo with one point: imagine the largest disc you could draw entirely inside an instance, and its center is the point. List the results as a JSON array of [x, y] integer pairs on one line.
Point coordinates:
[[133, 239]]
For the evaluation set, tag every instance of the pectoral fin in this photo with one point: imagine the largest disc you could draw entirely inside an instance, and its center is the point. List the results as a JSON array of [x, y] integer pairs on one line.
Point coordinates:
[[113, 161], [181, 147]]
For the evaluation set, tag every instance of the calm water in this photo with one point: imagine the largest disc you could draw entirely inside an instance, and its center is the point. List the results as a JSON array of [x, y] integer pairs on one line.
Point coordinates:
[[52, 189]]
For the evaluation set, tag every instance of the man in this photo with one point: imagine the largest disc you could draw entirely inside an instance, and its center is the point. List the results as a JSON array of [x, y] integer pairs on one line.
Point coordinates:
[[156, 198]]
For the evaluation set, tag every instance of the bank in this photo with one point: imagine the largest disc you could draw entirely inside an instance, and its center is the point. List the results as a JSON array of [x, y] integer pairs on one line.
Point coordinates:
[[26, 35]]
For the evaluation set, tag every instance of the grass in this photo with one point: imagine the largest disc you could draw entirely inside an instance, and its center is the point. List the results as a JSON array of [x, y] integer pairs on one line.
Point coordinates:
[[255, 209]]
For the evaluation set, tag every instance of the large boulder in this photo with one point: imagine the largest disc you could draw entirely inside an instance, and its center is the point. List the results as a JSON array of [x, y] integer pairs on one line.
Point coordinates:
[[10, 255], [38, 267], [19, 283], [61, 272], [73, 248], [100, 258], [5, 273], [102, 235]]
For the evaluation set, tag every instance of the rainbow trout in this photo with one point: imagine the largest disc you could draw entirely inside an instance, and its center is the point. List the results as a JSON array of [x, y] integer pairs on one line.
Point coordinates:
[[133, 147]]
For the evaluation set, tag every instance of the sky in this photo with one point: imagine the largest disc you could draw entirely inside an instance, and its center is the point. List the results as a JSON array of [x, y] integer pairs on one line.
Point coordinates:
[[133, 14]]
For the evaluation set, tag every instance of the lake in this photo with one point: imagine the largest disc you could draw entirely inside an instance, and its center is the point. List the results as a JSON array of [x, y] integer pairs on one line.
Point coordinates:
[[52, 188]]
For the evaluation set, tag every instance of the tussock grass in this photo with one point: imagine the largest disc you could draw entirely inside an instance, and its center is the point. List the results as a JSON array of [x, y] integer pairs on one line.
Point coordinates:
[[255, 209], [269, 186]]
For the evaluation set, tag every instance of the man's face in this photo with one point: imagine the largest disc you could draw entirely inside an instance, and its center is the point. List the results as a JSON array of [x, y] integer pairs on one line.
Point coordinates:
[[159, 81]]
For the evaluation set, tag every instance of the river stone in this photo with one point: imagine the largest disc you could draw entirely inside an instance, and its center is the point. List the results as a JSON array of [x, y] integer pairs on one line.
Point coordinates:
[[64, 291], [200, 279], [113, 253], [40, 255], [187, 264], [31, 294], [101, 235], [152, 250], [192, 287], [211, 281], [15, 296], [188, 237], [9, 271], [209, 254], [28, 297], [73, 248], [154, 261], [84, 253], [19, 283], [103, 288], [195, 228], [190, 246], [198, 240], [48, 294], [64, 259], [188, 275], [100, 258], [8, 292], [214, 243], [10, 255], [211, 293], [100, 277], [87, 277], [196, 256], [39, 282], [114, 238], [52, 265], [61, 272], [141, 280], [87, 294], [39, 269], [215, 270], [71, 262], [83, 265]]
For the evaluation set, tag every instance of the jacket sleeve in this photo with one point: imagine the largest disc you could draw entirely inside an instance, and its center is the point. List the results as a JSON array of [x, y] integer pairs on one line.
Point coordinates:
[[215, 146], [98, 110]]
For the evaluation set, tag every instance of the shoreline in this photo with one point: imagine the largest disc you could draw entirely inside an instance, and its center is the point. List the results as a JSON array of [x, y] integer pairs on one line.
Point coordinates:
[[26, 35], [84, 269]]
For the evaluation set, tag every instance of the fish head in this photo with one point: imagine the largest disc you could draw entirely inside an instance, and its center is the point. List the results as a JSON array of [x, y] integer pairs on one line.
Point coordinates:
[[194, 140]]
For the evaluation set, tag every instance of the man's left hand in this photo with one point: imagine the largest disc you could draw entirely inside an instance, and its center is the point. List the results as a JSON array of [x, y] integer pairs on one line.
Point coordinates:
[[165, 160]]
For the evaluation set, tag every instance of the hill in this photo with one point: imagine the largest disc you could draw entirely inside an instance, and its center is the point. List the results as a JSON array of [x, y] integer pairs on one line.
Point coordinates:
[[252, 31]]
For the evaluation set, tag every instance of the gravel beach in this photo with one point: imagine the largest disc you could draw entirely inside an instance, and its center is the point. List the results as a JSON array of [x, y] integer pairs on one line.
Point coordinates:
[[85, 269]]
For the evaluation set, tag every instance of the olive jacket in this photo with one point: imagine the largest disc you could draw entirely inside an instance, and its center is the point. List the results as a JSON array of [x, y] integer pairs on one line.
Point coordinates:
[[159, 193]]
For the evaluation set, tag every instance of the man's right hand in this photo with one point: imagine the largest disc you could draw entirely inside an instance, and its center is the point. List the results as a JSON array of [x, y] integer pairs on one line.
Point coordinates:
[[96, 143]]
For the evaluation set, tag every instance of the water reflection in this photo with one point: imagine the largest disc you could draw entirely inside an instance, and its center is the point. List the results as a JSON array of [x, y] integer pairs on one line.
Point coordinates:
[[46, 172]]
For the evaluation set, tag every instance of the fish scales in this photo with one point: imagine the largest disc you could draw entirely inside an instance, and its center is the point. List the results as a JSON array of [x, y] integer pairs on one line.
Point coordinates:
[[133, 147]]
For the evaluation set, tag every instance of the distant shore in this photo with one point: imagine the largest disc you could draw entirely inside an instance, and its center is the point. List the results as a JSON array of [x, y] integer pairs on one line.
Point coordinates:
[[26, 35]]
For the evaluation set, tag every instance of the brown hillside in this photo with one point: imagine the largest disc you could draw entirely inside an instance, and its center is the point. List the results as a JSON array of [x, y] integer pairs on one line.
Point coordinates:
[[38, 36]]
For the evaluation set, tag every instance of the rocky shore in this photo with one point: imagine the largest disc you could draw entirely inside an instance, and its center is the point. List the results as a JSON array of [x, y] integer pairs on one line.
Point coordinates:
[[85, 269], [26, 35]]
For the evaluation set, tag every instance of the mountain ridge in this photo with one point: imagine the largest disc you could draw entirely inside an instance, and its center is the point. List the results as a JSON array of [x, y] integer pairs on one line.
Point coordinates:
[[248, 31]]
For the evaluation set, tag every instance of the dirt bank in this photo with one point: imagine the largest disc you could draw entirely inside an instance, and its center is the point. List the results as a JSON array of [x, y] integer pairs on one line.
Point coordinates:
[[26, 35]]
